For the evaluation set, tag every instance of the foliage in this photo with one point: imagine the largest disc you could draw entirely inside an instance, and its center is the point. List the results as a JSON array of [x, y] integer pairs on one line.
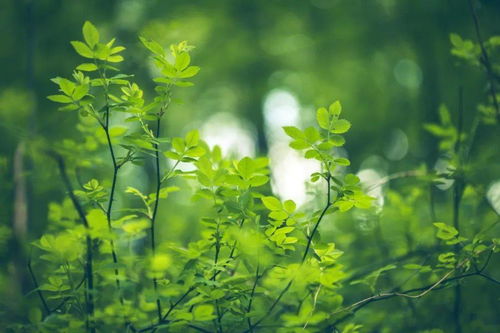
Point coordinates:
[[257, 262]]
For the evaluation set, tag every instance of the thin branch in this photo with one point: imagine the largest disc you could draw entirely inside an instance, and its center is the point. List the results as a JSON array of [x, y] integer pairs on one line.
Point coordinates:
[[89, 261], [37, 287], [441, 283], [155, 209], [323, 212], [485, 58], [249, 307]]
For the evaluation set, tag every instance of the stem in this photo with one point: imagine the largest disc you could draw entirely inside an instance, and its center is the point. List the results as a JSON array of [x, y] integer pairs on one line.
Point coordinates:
[[457, 198], [486, 60], [304, 256], [88, 265], [155, 210], [116, 167], [328, 204], [37, 286], [249, 308]]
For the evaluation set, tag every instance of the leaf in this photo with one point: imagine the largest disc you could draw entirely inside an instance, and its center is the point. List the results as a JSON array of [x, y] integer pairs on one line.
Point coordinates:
[[271, 203], [246, 167], [178, 144], [160, 263], [203, 312], [117, 131], [80, 92], [337, 140], [116, 58], [299, 144], [87, 67], [153, 46], [188, 72], [82, 49], [90, 34], [60, 98], [456, 40], [182, 61], [344, 205], [340, 126], [66, 86], [192, 138], [351, 179], [294, 132], [323, 118], [289, 206], [335, 109], [342, 161], [258, 180], [445, 232]]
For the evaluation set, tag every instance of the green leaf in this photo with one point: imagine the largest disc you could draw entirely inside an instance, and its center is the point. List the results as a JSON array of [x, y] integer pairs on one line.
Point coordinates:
[[344, 205], [66, 86], [323, 118], [246, 167], [299, 144], [182, 61], [445, 232], [115, 58], [351, 179], [342, 161], [289, 206], [160, 263], [178, 144], [117, 131], [294, 132], [90, 34], [192, 138], [272, 203], [456, 40], [153, 46], [60, 98], [337, 140], [188, 72], [258, 180], [203, 312], [82, 49], [87, 67], [335, 109], [80, 92], [340, 126]]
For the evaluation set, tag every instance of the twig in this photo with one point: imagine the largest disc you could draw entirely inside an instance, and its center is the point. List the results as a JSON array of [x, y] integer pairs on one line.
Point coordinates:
[[89, 265], [486, 60], [155, 210], [37, 287]]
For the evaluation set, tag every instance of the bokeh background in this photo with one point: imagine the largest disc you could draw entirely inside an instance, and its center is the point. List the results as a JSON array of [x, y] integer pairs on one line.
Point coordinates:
[[265, 64]]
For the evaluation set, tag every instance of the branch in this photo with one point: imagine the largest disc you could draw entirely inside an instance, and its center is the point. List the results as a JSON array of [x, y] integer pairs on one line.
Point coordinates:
[[155, 209], [37, 287], [485, 59], [81, 213], [441, 283]]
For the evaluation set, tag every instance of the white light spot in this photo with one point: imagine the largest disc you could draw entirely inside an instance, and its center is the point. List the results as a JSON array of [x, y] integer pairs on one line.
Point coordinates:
[[493, 195], [290, 171], [442, 166], [398, 145], [408, 73], [369, 178], [228, 132]]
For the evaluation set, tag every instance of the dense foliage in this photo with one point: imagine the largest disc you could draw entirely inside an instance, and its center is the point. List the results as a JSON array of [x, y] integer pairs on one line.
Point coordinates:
[[231, 255]]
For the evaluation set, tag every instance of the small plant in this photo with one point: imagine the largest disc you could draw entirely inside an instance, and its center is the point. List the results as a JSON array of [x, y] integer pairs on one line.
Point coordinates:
[[259, 263]]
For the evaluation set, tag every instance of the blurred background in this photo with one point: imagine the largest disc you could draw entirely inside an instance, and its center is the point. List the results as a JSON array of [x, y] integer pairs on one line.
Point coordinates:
[[265, 64]]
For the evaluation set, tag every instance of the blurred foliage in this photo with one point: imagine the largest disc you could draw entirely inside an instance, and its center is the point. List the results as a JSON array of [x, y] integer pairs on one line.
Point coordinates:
[[424, 125]]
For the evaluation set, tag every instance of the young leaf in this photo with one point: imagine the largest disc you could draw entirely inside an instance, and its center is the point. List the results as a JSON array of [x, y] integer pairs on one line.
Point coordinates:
[[90, 34]]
